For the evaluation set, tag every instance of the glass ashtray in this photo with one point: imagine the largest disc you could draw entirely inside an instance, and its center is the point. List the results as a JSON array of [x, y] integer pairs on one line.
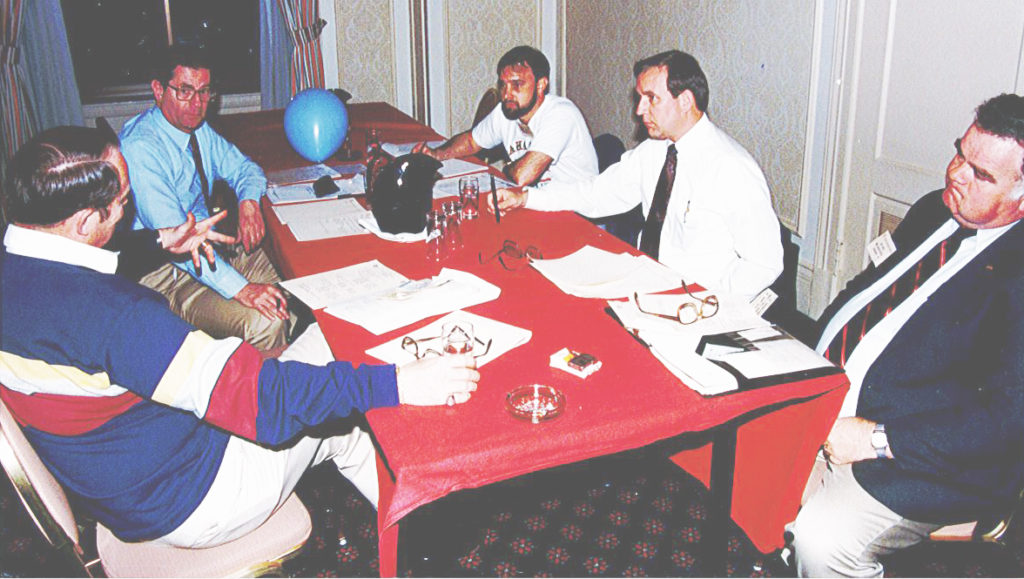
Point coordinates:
[[535, 402]]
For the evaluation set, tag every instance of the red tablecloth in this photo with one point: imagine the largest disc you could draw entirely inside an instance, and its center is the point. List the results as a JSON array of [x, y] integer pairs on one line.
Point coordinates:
[[631, 402]]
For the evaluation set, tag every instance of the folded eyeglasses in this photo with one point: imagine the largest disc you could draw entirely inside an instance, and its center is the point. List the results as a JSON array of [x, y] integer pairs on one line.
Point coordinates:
[[412, 346], [511, 250]]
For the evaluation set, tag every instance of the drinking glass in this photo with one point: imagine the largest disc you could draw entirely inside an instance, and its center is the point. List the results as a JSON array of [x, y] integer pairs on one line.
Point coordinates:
[[469, 196], [437, 226], [457, 338], [453, 232]]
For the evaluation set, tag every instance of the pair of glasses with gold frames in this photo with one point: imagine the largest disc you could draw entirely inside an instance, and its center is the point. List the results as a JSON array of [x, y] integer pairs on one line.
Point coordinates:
[[688, 312], [510, 252], [420, 348]]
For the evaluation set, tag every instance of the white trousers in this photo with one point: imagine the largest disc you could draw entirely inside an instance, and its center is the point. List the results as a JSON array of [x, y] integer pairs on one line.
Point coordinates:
[[254, 481], [842, 530]]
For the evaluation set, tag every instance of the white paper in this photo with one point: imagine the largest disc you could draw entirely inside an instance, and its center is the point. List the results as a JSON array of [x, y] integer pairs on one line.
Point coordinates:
[[311, 211], [301, 174], [321, 289], [399, 149], [369, 223], [773, 357], [503, 337], [457, 167], [400, 305], [594, 273], [696, 372], [322, 219], [450, 187]]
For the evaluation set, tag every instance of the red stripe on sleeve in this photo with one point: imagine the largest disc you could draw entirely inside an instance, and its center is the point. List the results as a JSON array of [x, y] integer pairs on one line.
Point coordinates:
[[234, 402], [66, 415]]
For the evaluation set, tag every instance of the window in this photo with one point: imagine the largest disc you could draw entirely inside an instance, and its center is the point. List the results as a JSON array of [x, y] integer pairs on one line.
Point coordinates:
[[113, 43]]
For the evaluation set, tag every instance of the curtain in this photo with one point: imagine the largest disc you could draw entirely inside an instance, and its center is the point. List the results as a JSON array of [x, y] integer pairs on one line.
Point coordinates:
[[304, 25], [50, 72], [17, 120], [275, 57]]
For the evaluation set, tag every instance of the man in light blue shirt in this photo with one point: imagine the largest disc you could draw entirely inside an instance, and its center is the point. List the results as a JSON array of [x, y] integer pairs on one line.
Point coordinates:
[[240, 297]]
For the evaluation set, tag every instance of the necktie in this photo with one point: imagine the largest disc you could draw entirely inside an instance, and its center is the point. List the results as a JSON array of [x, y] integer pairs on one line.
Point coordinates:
[[197, 157], [651, 239], [846, 340]]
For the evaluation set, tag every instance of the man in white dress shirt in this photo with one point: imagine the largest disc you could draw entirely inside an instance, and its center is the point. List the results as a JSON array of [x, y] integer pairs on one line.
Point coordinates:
[[545, 135], [718, 228]]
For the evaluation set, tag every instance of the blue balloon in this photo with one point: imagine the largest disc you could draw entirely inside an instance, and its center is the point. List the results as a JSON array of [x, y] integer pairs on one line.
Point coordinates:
[[316, 123]]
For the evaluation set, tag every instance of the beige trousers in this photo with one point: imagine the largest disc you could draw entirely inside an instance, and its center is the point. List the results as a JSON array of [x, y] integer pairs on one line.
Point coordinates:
[[205, 309]]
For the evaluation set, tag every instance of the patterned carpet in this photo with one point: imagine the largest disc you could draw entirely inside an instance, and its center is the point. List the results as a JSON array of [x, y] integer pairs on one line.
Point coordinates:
[[608, 518]]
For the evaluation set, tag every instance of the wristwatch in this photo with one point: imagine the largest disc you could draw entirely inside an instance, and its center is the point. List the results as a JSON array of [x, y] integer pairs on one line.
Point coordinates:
[[879, 441]]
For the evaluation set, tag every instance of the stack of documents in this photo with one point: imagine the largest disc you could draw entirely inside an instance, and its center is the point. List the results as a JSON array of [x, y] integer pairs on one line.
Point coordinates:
[[594, 273], [322, 219], [502, 337], [409, 302], [734, 349]]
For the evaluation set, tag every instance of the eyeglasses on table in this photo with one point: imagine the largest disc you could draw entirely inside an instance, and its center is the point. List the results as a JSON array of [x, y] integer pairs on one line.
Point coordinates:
[[510, 249], [688, 312], [413, 346]]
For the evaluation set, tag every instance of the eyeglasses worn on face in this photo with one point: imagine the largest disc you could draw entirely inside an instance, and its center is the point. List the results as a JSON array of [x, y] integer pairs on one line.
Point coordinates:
[[688, 312], [512, 250], [186, 92]]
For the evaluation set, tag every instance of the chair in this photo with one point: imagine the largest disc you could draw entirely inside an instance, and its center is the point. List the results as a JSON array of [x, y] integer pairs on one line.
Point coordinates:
[[104, 125], [784, 312], [258, 553], [626, 226], [987, 530], [488, 101]]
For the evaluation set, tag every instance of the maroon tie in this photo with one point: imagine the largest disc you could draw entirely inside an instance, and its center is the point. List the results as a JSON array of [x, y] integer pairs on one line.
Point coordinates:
[[846, 340], [651, 238]]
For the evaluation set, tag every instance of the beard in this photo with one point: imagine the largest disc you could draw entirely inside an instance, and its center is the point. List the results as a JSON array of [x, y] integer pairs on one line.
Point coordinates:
[[513, 111]]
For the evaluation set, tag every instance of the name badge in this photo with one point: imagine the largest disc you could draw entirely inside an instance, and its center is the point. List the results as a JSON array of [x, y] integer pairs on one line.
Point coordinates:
[[881, 248]]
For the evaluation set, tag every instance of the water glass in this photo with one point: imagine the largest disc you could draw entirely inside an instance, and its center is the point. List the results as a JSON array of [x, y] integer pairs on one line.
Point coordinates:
[[453, 232], [457, 338], [469, 196], [437, 227]]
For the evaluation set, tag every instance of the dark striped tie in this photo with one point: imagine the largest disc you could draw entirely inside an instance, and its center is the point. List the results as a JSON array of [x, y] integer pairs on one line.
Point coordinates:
[[840, 348], [197, 158], [651, 238]]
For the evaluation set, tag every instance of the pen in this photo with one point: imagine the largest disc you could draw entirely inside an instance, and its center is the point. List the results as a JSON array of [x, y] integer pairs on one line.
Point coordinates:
[[494, 199]]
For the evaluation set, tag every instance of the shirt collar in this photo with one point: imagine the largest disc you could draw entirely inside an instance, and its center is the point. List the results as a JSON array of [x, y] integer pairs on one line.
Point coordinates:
[[178, 137], [696, 135], [41, 245]]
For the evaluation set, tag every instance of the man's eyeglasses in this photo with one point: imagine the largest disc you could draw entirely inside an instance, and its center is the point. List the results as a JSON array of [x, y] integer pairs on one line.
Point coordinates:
[[688, 312], [186, 92], [420, 350], [510, 250]]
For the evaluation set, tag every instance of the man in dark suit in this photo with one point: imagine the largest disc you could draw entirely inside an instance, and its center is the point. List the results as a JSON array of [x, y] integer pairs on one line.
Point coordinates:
[[934, 431]]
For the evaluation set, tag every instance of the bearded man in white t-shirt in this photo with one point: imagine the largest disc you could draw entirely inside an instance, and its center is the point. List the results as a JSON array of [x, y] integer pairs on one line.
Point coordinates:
[[545, 136]]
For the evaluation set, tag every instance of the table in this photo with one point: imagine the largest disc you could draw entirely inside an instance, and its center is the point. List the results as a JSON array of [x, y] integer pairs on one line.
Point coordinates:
[[762, 442]]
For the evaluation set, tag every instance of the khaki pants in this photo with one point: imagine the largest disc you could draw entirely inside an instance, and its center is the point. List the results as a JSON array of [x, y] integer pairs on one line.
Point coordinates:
[[205, 309]]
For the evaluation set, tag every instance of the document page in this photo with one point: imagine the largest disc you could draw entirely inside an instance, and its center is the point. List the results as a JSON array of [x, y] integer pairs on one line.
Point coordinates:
[[322, 219], [406, 303], [320, 289], [594, 273]]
